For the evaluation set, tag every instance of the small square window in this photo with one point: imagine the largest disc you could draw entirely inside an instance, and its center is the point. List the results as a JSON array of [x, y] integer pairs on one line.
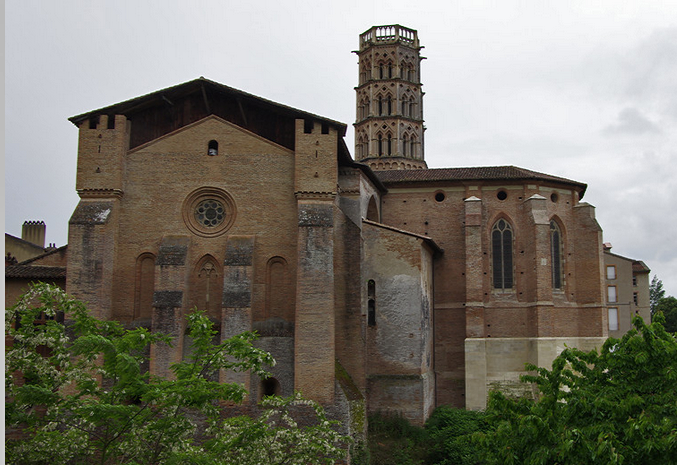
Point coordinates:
[[611, 272]]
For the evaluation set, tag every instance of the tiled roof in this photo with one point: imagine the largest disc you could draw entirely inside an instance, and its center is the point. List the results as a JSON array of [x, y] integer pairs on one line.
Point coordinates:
[[480, 173], [35, 272], [639, 266], [192, 86]]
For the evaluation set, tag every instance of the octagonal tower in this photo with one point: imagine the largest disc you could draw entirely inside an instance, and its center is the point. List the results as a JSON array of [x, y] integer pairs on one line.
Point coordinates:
[[389, 124]]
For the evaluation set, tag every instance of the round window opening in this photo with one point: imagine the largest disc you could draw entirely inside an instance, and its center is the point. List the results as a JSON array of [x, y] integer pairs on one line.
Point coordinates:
[[209, 211], [553, 197], [439, 197], [502, 195]]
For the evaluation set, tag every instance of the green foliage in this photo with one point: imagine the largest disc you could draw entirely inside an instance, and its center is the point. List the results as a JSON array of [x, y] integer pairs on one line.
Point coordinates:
[[89, 401], [274, 438], [612, 407], [393, 440], [656, 293], [668, 306], [450, 433]]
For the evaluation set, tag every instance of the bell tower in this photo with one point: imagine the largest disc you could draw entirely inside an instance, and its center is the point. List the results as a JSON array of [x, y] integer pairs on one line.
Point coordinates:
[[389, 124]]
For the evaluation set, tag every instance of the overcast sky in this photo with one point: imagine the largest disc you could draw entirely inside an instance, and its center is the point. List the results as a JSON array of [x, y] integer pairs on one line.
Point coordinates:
[[580, 89]]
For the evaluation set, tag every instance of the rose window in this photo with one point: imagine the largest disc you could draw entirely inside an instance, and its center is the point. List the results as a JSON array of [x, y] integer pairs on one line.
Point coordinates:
[[210, 213]]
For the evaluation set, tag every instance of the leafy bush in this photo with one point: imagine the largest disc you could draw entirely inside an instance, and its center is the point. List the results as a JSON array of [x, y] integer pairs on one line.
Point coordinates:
[[615, 406], [393, 440], [450, 433]]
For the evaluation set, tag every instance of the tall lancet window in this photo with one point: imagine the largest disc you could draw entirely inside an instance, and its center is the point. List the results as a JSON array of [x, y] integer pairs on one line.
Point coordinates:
[[556, 255], [145, 286], [208, 287], [501, 249]]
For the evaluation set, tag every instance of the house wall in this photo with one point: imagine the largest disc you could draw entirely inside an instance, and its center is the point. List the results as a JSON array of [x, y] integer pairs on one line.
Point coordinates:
[[626, 288]]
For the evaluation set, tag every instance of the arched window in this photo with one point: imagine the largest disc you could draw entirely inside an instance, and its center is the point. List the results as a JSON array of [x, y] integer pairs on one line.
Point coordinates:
[[501, 249], [380, 105], [556, 255], [412, 147], [371, 303], [389, 145], [412, 109], [381, 71], [372, 210], [390, 70], [145, 286], [405, 142], [366, 107], [389, 101], [380, 145], [213, 148], [270, 387], [279, 298], [404, 107]]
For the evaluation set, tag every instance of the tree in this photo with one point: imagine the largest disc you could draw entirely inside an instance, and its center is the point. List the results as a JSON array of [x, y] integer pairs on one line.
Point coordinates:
[[656, 293], [77, 393], [610, 407], [668, 306]]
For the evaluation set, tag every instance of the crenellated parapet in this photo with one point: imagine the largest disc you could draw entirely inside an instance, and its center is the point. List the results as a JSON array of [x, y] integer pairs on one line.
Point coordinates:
[[102, 147]]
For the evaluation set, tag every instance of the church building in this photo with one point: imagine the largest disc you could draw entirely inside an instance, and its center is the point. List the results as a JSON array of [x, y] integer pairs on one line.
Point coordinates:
[[374, 281]]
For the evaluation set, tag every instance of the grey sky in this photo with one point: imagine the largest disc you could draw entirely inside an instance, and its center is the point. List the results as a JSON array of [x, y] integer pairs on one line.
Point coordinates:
[[579, 89]]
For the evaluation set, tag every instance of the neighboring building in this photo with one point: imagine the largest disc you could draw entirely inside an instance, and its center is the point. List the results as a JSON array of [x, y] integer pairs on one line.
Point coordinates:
[[27, 260], [30, 245], [627, 291], [50, 267], [376, 282]]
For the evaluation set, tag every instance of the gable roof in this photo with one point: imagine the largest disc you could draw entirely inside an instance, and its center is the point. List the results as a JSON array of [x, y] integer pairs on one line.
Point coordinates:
[[480, 173], [168, 109]]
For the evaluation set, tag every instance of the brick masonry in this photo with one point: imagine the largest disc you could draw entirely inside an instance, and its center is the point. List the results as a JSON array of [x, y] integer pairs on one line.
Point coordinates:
[[305, 231]]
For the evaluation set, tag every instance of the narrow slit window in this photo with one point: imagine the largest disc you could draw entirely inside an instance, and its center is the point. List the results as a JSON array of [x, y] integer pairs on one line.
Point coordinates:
[[212, 148], [371, 303]]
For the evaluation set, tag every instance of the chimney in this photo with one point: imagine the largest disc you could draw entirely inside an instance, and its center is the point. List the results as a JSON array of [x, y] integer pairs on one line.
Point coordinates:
[[34, 232]]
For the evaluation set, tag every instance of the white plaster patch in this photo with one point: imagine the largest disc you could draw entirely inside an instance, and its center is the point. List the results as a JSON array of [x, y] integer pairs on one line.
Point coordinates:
[[102, 216]]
